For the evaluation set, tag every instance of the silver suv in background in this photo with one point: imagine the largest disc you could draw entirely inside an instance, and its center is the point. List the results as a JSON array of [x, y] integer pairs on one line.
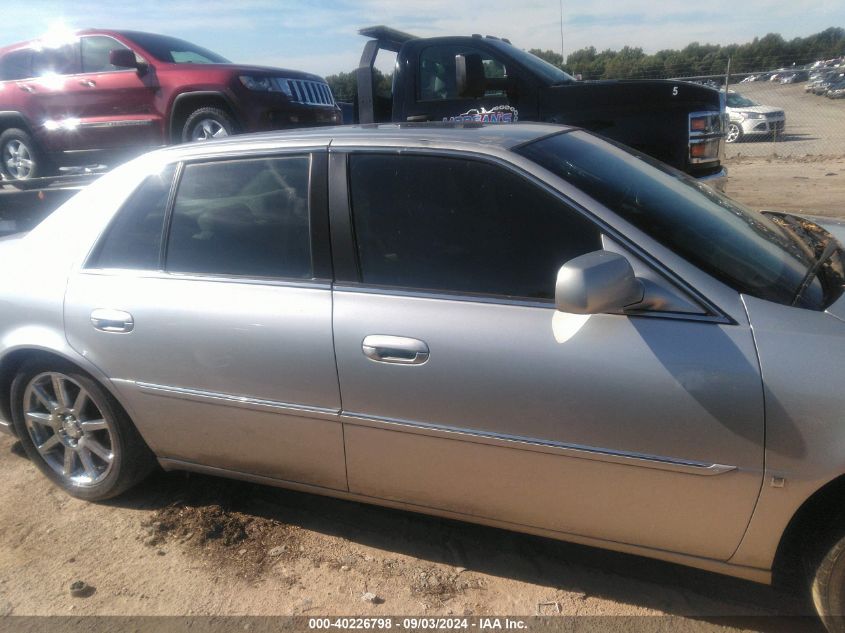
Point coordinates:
[[750, 119], [524, 326]]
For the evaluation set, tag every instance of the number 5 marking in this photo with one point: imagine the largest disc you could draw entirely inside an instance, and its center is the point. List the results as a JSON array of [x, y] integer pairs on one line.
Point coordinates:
[[675, 91]]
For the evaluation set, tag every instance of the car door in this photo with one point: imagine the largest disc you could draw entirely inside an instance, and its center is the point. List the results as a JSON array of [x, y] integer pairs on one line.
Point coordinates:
[[116, 105], [464, 390], [218, 336]]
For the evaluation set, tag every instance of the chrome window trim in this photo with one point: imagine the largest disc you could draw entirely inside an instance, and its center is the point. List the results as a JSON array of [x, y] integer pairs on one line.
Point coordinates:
[[714, 313], [517, 442], [287, 282], [231, 400], [395, 291]]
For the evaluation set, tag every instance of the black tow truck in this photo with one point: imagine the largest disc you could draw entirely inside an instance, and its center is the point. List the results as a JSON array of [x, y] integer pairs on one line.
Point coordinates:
[[487, 79]]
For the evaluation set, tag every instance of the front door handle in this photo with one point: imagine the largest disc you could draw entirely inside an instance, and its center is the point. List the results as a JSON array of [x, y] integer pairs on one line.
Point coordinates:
[[88, 83], [107, 320], [400, 350]]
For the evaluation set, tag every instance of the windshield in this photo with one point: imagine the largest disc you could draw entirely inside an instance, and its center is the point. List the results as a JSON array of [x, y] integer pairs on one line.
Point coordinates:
[[736, 100], [550, 74], [174, 50], [742, 248]]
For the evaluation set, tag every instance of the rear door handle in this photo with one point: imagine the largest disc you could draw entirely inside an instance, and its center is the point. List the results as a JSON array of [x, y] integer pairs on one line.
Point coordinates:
[[26, 87], [107, 320], [400, 350], [88, 83]]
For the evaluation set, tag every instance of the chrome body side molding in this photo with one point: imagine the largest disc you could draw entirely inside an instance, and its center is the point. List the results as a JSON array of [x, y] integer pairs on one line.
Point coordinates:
[[517, 442]]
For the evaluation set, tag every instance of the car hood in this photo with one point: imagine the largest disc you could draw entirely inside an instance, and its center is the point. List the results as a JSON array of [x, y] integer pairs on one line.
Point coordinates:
[[762, 109]]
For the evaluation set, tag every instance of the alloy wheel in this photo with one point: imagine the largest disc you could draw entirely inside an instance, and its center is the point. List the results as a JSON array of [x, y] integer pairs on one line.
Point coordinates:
[[733, 133], [207, 129], [69, 429], [18, 159]]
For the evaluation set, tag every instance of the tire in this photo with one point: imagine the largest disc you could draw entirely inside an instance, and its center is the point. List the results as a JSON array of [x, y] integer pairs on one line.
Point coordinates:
[[827, 585], [734, 134], [21, 159], [207, 123], [87, 446]]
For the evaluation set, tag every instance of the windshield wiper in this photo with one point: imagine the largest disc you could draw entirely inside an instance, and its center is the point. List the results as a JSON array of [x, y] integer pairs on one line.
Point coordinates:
[[830, 248]]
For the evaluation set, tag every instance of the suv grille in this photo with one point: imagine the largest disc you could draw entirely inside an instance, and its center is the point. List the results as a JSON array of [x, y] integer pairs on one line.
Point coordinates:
[[311, 92]]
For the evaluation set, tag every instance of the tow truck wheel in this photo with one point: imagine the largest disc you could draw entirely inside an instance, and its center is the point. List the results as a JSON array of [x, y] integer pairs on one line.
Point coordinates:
[[206, 124], [21, 159], [734, 133]]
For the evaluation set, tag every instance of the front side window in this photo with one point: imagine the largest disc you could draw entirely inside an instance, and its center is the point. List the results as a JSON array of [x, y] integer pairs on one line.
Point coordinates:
[[242, 217], [133, 240], [437, 72], [464, 226], [95, 54]]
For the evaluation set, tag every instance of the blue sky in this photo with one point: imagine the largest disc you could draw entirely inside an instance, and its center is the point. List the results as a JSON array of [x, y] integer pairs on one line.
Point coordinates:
[[321, 36]]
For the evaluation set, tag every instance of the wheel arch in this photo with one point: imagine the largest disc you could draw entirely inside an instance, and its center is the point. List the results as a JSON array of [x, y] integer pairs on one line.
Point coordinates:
[[187, 102], [819, 514], [13, 119], [14, 358]]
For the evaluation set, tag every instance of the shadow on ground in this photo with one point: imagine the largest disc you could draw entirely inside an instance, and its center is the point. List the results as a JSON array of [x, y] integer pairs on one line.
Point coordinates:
[[623, 578]]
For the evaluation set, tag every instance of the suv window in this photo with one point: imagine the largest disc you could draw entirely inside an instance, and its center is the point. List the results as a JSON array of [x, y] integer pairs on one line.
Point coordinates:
[[242, 217], [60, 60], [455, 225], [95, 54], [437, 72], [15, 65], [133, 240]]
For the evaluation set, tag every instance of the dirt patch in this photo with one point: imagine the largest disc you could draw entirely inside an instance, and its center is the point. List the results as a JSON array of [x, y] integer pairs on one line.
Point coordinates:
[[212, 523]]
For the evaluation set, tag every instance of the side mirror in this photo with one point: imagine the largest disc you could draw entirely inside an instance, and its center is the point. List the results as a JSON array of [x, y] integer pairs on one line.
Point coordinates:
[[469, 76], [597, 282], [122, 58]]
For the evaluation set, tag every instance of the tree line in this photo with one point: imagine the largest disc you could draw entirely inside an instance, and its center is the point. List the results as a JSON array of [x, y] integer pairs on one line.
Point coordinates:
[[763, 53]]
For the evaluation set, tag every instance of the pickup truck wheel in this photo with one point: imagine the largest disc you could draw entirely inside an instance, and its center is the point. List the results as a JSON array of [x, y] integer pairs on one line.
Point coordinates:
[[827, 583], [75, 432], [207, 123], [21, 159], [734, 133]]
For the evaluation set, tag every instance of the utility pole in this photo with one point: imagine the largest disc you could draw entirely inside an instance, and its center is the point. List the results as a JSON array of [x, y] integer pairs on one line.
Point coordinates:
[[561, 33]]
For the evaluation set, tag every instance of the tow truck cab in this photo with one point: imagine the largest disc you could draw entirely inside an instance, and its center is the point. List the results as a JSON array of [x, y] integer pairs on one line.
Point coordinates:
[[487, 79]]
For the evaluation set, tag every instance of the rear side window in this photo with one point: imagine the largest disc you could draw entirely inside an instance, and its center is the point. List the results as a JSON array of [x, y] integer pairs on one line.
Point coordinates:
[[15, 65], [95, 54], [242, 217], [61, 60], [437, 72], [455, 225], [133, 240]]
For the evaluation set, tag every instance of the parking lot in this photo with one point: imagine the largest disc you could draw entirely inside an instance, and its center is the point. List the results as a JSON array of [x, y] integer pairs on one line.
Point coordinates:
[[815, 125]]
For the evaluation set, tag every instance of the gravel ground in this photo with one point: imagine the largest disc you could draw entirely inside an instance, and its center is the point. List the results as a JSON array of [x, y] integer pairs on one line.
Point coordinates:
[[191, 545]]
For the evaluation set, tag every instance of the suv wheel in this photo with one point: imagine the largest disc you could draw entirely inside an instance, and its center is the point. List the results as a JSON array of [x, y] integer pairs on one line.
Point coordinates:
[[21, 159], [75, 432], [207, 123], [734, 133]]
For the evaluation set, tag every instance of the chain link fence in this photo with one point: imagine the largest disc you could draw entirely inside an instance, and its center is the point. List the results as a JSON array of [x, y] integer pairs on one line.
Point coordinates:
[[786, 110]]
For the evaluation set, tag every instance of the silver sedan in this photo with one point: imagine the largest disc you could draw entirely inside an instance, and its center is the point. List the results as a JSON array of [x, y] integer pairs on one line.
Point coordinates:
[[523, 326]]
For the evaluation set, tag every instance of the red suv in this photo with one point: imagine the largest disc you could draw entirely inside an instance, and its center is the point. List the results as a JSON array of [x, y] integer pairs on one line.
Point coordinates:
[[100, 95]]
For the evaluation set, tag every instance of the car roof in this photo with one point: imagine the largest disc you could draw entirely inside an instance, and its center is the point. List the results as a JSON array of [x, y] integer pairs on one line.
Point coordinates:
[[503, 136]]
